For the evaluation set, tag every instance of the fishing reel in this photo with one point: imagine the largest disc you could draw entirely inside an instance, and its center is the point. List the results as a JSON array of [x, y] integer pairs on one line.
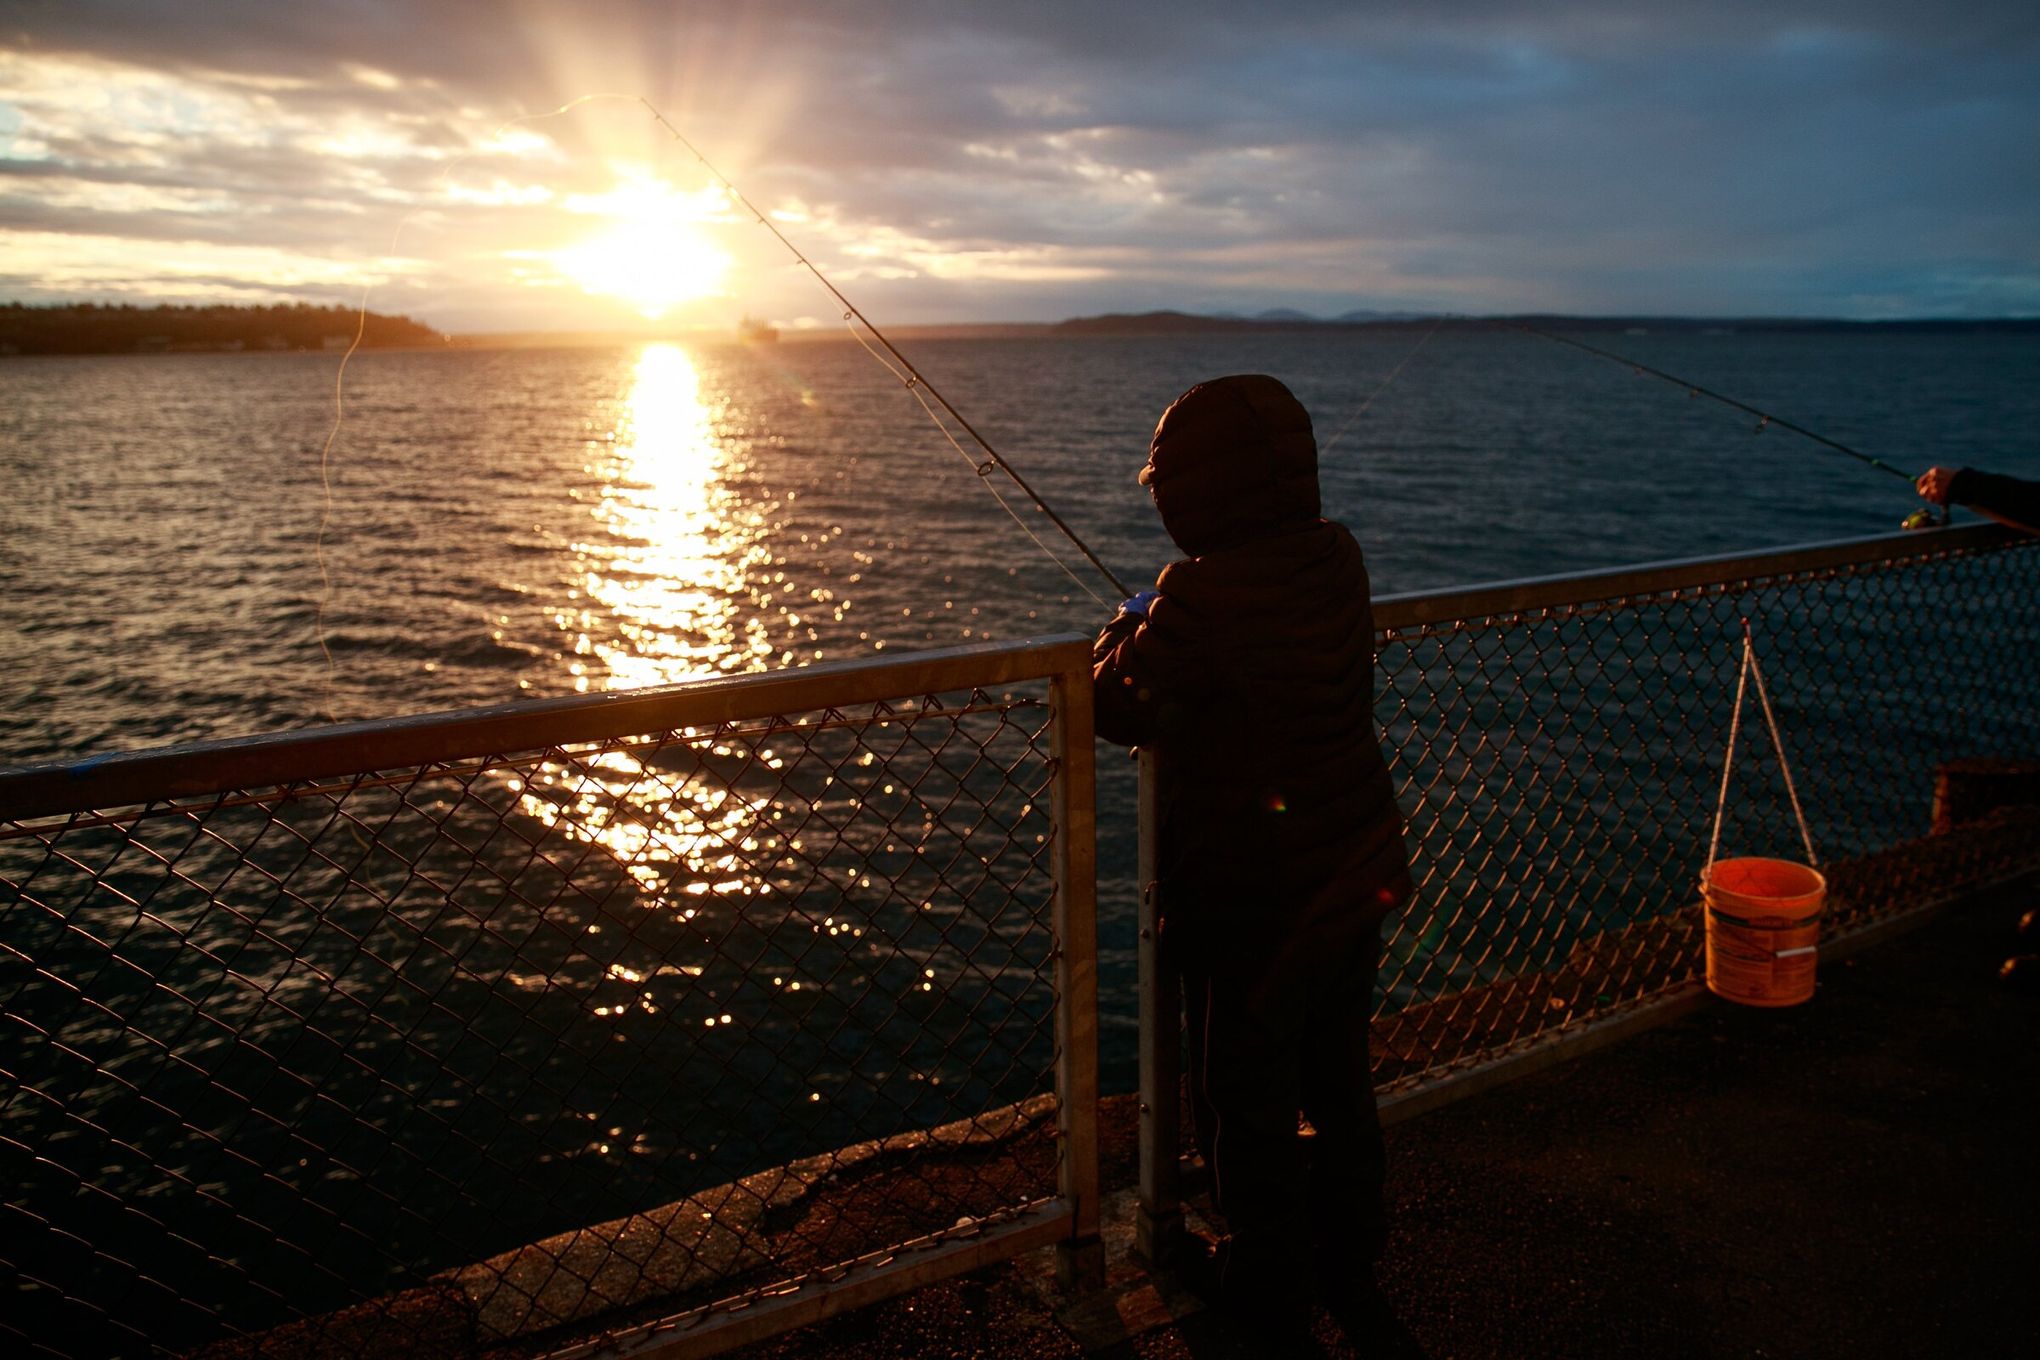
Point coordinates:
[[1924, 518]]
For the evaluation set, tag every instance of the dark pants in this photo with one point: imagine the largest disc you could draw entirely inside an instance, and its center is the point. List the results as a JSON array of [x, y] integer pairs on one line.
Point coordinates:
[[1275, 1030]]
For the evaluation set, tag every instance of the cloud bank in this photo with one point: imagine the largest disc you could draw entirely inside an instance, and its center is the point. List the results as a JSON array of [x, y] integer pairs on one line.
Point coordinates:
[[946, 162]]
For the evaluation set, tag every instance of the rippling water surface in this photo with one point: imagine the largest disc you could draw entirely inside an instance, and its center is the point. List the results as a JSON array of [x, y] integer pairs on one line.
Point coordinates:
[[546, 521], [178, 562]]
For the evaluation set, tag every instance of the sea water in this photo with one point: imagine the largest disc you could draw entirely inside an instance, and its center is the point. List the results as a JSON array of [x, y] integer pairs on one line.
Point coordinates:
[[192, 547], [215, 546], [179, 561]]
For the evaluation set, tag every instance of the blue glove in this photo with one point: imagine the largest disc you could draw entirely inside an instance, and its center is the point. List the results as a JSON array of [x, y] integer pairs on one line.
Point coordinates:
[[1138, 605]]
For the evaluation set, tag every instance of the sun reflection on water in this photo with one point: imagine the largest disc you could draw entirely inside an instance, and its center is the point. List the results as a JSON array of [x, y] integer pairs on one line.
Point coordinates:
[[744, 876], [663, 584], [733, 890], [670, 567]]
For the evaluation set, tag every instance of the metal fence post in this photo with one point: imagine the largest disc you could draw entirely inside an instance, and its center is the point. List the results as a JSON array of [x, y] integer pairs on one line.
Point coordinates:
[[1158, 1219], [1080, 1258]]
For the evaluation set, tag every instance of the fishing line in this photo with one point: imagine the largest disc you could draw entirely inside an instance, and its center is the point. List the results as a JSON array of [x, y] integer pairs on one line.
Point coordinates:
[[912, 377], [1340, 433], [340, 385], [326, 490], [983, 470], [1764, 418]]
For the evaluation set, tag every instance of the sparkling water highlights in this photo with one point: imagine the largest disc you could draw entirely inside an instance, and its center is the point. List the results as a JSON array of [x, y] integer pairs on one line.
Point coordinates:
[[677, 544], [534, 522]]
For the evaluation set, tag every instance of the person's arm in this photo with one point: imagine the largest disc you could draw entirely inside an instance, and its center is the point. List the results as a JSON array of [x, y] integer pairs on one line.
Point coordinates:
[[2008, 500], [1126, 683]]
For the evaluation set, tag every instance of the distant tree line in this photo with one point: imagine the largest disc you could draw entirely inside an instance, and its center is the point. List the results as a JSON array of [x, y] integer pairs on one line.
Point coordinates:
[[96, 328]]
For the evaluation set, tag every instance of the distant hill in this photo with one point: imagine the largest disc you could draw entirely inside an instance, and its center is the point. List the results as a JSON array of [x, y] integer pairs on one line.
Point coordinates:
[[1190, 323], [1368, 314], [1187, 323], [93, 328]]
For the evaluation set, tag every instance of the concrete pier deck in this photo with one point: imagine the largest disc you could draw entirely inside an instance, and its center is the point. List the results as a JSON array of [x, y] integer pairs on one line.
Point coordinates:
[[1858, 1176]]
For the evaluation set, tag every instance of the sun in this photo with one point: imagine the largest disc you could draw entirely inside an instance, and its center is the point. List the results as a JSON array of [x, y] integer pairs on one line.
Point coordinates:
[[653, 254]]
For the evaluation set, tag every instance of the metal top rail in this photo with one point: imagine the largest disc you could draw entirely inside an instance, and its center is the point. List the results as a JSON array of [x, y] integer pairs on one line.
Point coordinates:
[[1415, 609], [201, 769]]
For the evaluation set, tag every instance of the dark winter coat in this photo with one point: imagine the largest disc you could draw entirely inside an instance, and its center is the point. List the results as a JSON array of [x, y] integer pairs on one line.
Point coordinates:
[[1995, 493], [1252, 674]]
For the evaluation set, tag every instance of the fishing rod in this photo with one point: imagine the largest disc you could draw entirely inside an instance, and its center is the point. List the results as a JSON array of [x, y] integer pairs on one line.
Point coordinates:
[[913, 378], [1764, 418]]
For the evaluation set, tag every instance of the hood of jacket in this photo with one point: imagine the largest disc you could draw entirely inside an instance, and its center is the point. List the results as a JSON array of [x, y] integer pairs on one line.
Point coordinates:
[[1233, 460]]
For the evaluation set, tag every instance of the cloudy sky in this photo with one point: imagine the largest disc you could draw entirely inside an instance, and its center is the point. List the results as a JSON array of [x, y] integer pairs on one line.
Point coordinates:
[[948, 160]]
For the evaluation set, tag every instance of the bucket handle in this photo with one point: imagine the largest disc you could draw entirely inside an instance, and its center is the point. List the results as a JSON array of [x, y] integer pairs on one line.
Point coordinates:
[[1750, 669]]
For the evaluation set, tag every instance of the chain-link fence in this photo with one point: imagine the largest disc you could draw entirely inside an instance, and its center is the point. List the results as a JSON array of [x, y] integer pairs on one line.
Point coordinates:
[[669, 1019], [652, 1018], [1557, 747]]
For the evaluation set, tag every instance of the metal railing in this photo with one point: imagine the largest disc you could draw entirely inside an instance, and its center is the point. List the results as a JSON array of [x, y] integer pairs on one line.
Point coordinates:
[[663, 1020], [651, 1021], [1557, 746]]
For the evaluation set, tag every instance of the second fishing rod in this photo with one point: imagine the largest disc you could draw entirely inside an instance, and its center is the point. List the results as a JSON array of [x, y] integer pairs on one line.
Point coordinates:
[[1765, 419]]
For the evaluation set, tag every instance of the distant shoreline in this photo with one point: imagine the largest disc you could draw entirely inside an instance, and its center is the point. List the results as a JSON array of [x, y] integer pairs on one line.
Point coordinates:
[[721, 335], [1185, 323], [88, 329], [1143, 324]]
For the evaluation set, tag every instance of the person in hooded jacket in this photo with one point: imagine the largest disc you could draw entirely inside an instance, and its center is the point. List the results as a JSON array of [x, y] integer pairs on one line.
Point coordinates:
[[2016, 502], [1249, 671]]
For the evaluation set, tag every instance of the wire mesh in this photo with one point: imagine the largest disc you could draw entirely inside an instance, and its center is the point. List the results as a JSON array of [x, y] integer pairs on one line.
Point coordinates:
[[1560, 766], [489, 1050]]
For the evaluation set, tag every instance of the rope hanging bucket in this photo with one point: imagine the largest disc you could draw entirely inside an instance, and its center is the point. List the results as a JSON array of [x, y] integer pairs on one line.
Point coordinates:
[[1763, 915]]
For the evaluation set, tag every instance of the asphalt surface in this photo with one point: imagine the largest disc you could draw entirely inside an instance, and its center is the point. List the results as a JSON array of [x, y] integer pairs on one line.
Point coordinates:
[[1852, 1177]]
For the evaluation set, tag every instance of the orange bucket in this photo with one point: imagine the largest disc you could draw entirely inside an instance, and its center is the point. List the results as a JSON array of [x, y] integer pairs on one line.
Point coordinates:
[[1763, 930]]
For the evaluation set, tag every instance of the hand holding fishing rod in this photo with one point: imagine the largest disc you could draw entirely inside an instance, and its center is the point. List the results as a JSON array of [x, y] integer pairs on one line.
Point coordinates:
[[2008, 500], [911, 378]]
